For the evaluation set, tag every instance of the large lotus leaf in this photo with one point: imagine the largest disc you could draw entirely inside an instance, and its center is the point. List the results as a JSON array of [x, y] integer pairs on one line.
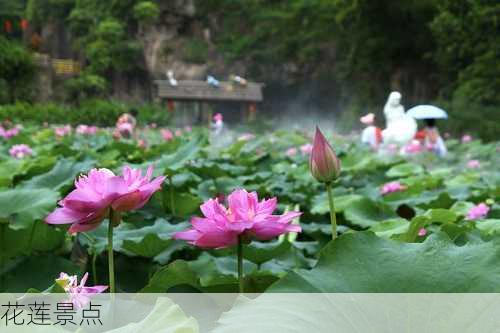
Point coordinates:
[[342, 201], [211, 169], [40, 237], [107, 159], [357, 162], [178, 159], [462, 192], [8, 170], [170, 163], [146, 241], [260, 252], [64, 172], [322, 231], [166, 317], [94, 142], [23, 206], [440, 215], [36, 166], [445, 217], [181, 179], [404, 170], [368, 312], [387, 229], [432, 199], [461, 207], [363, 262], [488, 226], [184, 203], [36, 272], [210, 188], [468, 178], [208, 273], [365, 213]]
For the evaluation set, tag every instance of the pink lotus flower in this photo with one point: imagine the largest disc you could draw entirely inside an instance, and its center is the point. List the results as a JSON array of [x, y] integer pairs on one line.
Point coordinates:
[[367, 119], [20, 151], [392, 187], [78, 293], [413, 147], [466, 138], [473, 164], [422, 232], [188, 129], [9, 133], [323, 163], [245, 217], [141, 143], [86, 130], [178, 132], [62, 131], [306, 149], [478, 212], [291, 152], [153, 125], [86, 206], [167, 135], [218, 117]]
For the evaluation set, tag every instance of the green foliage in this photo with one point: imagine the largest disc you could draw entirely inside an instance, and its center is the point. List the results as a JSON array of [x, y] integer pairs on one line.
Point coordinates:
[[466, 34], [467, 51], [363, 262], [89, 111], [110, 29], [85, 85], [196, 51], [41, 11], [455, 255], [17, 71], [146, 11]]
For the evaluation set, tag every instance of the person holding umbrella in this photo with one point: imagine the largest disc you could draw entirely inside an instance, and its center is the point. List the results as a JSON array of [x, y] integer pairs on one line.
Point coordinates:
[[429, 136]]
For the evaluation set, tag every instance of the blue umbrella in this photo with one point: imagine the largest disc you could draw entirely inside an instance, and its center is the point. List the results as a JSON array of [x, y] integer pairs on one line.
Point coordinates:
[[427, 112]]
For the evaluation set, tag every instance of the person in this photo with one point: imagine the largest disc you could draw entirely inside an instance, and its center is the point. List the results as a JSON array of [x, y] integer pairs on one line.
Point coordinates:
[[371, 135], [400, 128], [125, 125], [430, 138], [218, 124]]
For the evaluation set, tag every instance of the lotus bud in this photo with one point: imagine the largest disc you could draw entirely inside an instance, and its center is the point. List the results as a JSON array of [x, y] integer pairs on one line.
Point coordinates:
[[324, 163]]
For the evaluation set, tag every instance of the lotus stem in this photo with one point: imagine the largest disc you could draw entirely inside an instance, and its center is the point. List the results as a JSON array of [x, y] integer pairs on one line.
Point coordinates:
[[240, 265], [111, 263], [94, 269], [333, 218], [171, 190]]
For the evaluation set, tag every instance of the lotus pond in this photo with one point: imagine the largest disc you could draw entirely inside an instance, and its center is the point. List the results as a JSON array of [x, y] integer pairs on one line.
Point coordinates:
[[417, 223]]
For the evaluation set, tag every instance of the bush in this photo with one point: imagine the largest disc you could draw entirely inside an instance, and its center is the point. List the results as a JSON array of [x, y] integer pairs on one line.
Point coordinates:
[[146, 11], [93, 111], [17, 71], [86, 85], [469, 116]]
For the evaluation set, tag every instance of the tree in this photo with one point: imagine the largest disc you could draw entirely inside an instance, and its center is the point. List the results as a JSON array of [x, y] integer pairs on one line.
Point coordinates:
[[17, 70]]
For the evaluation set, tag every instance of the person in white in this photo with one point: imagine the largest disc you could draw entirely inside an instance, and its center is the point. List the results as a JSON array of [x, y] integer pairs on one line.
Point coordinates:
[[432, 139], [400, 128], [371, 134]]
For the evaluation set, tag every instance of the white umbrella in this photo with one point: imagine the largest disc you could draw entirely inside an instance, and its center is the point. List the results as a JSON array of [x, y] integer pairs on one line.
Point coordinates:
[[427, 112]]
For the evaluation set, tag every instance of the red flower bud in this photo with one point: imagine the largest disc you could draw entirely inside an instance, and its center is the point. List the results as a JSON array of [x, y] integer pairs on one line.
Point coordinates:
[[324, 164]]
